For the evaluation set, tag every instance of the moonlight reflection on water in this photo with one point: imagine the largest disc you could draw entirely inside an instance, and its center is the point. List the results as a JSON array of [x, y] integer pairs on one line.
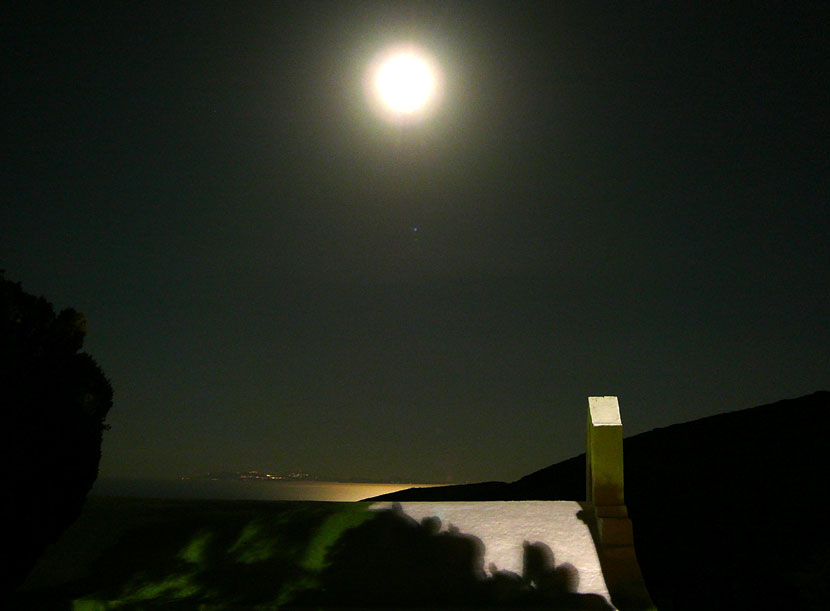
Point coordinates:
[[249, 490]]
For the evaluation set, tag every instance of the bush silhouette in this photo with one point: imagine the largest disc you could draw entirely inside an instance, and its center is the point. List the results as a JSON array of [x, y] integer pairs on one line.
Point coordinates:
[[394, 562], [54, 399]]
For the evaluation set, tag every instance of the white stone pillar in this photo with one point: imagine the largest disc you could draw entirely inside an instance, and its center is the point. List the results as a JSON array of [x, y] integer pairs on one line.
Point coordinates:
[[605, 489], [604, 470]]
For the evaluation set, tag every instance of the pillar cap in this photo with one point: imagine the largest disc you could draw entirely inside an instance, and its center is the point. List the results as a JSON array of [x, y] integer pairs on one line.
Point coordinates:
[[605, 411]]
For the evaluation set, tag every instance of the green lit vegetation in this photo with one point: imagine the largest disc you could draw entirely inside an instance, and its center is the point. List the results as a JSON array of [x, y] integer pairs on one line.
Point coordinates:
[[204, 554], [351, 516], [194, 551], [252, 547], [174, 586]]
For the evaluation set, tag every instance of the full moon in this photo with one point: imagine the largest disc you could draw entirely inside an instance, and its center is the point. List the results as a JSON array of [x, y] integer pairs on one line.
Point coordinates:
[[405, 83]]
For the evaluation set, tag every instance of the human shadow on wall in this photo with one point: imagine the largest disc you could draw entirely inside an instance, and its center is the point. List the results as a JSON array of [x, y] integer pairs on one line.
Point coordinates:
[[392, 561]]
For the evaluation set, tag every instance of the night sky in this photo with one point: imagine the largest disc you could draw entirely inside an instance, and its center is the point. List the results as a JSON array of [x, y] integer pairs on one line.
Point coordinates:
[[607, 201]]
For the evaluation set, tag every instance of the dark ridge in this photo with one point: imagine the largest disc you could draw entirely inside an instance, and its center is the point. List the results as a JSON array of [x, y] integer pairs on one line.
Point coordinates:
[[564, 481], [722, 506], [484, 491]]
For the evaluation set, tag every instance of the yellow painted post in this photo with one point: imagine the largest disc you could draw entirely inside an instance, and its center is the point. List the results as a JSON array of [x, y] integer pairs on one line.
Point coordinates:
[[605, 489], [605, 452]]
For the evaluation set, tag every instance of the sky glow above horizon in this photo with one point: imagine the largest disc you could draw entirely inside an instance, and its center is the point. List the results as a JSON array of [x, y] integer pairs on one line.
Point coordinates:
[[280, 274]]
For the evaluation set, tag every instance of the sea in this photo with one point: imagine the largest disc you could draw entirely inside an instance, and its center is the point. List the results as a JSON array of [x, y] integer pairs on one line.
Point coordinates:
[[260, 490]]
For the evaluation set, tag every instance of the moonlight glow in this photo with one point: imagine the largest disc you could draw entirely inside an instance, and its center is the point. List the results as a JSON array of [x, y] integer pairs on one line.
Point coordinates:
[[404, 83]]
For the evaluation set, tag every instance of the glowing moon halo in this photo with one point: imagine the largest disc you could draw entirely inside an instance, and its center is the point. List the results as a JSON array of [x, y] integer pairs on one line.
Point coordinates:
[[404, 83]]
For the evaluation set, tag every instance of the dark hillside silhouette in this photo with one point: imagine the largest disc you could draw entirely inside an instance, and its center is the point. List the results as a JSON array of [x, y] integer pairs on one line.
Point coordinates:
[[54, 400], [724, 508]]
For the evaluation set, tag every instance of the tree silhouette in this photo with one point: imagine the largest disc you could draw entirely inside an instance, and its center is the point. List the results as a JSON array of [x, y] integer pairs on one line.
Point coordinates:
[[54, 399]]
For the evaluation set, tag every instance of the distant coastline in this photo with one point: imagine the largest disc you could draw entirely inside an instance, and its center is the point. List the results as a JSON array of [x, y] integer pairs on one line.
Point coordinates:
[[260, 489], [293, 476]]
